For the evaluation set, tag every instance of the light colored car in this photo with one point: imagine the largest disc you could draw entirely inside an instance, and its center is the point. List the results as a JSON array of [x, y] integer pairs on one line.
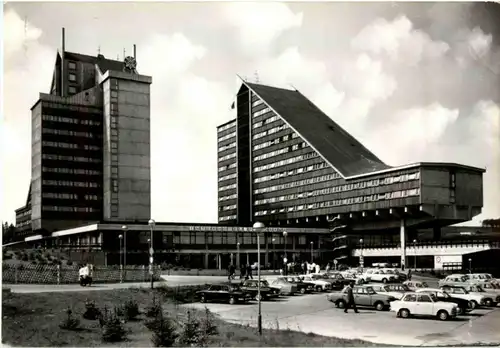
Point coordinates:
[[319, 284], [475, 299], [377, 275], [286, 287], [463, 306], [398, 276], [421, 304], [415, 284], [386, 289], [454, 280], [491, 298], [364, 296], [481, 278], [489, 286]]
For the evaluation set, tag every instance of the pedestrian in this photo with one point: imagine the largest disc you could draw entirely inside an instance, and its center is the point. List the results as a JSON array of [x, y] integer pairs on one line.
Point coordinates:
[[304, 268], [409, 274], [318, 268], [231, 272], [350, 299], [328, 267], [243, 271], [249, 272]]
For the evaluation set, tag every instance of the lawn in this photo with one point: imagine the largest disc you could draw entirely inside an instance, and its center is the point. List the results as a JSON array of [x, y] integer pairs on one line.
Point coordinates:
[[33, 320]]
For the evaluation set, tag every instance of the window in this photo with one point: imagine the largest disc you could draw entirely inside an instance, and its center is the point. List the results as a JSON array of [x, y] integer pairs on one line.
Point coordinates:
[[411, 298], [424, 298], [71, 65], [114, 94], [72, 89], [72, 77]]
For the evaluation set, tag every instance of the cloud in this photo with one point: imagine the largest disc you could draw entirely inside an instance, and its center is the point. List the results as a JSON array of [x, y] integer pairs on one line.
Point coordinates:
[[260, 23]]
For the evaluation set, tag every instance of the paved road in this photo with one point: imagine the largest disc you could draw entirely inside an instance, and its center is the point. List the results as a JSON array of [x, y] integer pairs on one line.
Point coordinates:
[[313, 313]]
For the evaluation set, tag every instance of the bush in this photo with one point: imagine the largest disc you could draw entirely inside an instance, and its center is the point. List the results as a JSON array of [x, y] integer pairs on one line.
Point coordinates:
[[32, 256], [155, 308], [112, 327], [25, 257], [164, 333], [69, 323], [208, 326], [69, 262], [131, 310], [91, 312], [191, 333]]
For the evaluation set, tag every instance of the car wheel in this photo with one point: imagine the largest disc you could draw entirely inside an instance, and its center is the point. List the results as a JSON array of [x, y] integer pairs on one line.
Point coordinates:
[[460, 311], [318, 288], [202, 299], [379, 306], [303, 291], [341, 304], [443, 315], [488, 302], [384, 280], [473, 304], [232, 300], [404, 313]]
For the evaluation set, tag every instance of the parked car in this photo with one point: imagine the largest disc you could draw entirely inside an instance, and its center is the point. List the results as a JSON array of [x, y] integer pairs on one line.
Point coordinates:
[[339, 282], [415, 304], [230, 293], [286, 287], [322, 276], [475, 299], [266, 292], [377, 275], [398, 276], [491, 298], [357, 278], [454, 280], [463, 306], [389, 290], [489, 286], [319, 284], [302, 286], [415, 284], [364, 296]]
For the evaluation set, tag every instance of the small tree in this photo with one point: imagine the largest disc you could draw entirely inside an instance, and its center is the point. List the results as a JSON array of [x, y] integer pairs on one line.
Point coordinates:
[[112, 327], [155, 308], [131, 310], [207, 328], [164, 333], [191, 333], [91, 312], [69, 322]]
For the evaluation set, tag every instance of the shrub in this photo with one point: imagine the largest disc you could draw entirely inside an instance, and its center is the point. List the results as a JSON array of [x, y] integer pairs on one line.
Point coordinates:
[[69, 263], [208, 326], [91, 312], [155, 308], [131, 310], [69, 323], [164, 333], [112, 327], [191, 333], [32, 256], [25, 257]]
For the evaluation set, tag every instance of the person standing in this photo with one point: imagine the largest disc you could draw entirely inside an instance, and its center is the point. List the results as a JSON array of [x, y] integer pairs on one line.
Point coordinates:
[[318, 268], [350, 299], [243, 271], [328, 267], [409, 274], [231, 272], [249, 272]]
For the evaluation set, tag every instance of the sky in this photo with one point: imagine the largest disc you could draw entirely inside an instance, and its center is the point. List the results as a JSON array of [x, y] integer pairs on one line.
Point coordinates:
[[412, 81]]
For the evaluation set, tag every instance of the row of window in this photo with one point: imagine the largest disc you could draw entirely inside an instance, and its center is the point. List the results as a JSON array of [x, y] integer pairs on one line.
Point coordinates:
[[275, 141], [266, 121], [284, 174], [341, 188], [257, 103], [226, 218], [68, 132], [24, 223], [70, 145], [229, 166], [227, 126], [340, 202], [228, 207], [60, 195], [70, 183], [231, 155], [270, 131], [70, 120], [261, 112], [71, 158], [226, 198], [24, 213], [70, 209], [284, 162], [298, 183], [223, 188], [71, 171], [227, 136], [274, 153], [227, 147], [227, 177]]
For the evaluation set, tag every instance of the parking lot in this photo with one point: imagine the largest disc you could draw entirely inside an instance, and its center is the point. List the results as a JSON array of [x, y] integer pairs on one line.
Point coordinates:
[[313, 313]]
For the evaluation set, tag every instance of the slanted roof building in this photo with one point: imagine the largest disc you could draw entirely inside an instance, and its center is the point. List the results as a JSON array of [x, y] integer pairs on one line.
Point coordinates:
[[285, 162]]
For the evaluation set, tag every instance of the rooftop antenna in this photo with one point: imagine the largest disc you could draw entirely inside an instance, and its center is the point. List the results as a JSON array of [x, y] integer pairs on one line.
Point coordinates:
[[98, 50], [256, 74], [296, 90], [63, 49], [135, 57], [124, 53]]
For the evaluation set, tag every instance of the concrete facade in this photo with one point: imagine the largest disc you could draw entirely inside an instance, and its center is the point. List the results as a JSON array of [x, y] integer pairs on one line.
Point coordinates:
[[36, 166]]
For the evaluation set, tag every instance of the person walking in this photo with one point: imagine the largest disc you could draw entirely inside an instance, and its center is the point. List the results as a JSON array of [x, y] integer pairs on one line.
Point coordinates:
[[328, 267], [350, 299], [249, 272], [243, 271], [409, 274], [231, 272]]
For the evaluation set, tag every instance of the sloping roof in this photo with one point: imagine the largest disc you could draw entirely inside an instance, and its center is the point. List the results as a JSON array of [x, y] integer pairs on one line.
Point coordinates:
[[340, 149], [103, 63]]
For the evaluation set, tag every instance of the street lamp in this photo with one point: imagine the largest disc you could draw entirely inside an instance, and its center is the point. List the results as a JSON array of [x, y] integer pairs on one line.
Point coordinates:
[[415, 250], [124, 229], [274, 255], [259, 227], [238, 255], [312, 251], [151, 224], [121, 264], [470, 265], [285, 260], [361, 260]]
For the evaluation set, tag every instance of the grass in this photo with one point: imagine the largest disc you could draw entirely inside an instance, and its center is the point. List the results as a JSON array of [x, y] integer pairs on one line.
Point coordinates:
[[33, 320]]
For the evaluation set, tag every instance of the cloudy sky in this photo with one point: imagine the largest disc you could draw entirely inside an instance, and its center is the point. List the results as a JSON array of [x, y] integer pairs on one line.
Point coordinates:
[[413, 82]]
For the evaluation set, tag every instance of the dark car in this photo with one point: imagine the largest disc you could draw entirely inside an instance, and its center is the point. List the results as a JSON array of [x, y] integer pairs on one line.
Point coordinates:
[[229, 293], [266, 292], [338, 280], [302, 286], [443, 296]]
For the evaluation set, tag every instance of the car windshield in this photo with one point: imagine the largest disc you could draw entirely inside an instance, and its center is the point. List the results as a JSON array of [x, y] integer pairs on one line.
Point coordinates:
[[389, 271], [405, 287], [433, 297], [385, 287], [424, 285], [370, 291], [446, 295], [476, 289], [291, 280], [264, 283], [234, 288], [488, 276]]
